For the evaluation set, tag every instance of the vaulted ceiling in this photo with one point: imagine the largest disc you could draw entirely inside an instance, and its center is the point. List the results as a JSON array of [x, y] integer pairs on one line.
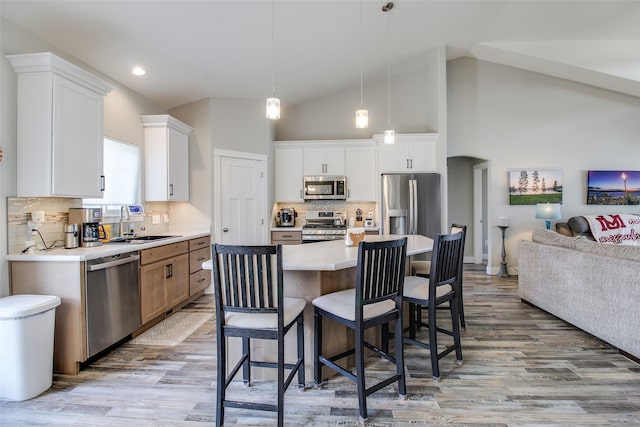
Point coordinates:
[[210, 48]]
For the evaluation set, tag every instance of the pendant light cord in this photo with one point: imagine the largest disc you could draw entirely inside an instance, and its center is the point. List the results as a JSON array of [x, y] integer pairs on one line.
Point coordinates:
[[361, 56], [273, 50], [389, 66]]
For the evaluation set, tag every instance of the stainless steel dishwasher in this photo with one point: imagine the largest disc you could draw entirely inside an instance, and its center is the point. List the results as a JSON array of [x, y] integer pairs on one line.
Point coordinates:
[[112, 300]]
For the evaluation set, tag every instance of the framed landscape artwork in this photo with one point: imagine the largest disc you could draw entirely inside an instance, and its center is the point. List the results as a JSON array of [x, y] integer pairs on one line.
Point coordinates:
[[531, 186], [613, 187]]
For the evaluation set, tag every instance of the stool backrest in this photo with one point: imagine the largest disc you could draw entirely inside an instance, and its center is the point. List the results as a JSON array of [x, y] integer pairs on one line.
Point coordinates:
[[380, 271], [247, 278], [446, 259]]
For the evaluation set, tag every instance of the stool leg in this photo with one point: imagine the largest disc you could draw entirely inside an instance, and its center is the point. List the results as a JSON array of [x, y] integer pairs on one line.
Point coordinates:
[[456, 329], [433, 344], [402, 390], [221, 380], [359, 344], [246, 366], [300, 332], [317, 347], [280, 402]]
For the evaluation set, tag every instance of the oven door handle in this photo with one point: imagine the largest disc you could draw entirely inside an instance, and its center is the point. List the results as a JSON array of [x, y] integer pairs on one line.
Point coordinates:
[[104, 265]]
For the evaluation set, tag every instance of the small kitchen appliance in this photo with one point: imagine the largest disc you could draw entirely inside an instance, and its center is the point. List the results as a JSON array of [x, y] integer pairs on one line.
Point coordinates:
[[71, 236], [90, 230], [287, 217]]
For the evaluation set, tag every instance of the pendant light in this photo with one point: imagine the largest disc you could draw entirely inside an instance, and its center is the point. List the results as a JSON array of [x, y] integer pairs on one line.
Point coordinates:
[[273, 103], [389, 134], [362, 115]]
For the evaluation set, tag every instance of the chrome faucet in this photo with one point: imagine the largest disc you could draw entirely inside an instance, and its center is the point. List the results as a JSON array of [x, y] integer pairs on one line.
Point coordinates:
[[122, 210]]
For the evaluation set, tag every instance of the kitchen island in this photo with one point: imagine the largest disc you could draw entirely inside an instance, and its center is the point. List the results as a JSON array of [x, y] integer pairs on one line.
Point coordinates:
[[312, 270]]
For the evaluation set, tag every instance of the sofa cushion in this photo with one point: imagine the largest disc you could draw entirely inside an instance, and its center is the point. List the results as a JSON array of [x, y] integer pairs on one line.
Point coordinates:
[[631, 253], [580, 227], [564, 229], [552, 238]]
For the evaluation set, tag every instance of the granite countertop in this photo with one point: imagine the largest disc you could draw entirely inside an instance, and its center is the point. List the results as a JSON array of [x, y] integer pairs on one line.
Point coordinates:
[[106, 249], [334, 255]]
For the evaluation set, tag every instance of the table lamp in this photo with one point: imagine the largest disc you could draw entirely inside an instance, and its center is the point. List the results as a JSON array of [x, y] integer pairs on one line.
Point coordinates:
[[548, 211]]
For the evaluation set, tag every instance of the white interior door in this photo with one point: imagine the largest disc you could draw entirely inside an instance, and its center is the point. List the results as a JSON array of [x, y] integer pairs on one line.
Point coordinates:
[[242, 201]]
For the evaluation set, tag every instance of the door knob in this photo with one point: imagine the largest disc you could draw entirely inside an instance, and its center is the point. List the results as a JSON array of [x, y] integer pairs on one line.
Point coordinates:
[[225, 229]]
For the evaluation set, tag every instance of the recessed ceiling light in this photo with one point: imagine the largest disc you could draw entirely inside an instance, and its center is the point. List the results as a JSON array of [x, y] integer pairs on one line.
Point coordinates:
[[138, 71]]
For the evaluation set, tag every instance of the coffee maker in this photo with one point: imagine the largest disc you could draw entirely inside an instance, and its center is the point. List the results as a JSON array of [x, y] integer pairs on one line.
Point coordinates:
[[88, 220], [287, 217]]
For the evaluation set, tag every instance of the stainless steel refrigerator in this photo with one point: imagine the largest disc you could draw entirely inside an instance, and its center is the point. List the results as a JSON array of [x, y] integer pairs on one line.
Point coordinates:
[[411, 204]]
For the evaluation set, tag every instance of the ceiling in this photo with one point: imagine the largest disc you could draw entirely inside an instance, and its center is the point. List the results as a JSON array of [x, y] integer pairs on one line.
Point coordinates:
[[210, 48]]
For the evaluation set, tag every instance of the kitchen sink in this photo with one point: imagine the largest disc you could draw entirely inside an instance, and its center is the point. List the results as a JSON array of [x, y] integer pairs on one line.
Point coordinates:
[[138, 239]]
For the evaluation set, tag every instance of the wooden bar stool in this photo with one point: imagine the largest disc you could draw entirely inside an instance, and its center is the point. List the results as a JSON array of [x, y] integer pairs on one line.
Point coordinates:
[[376, 300], [250, 304], [441, 287], [422, 269]]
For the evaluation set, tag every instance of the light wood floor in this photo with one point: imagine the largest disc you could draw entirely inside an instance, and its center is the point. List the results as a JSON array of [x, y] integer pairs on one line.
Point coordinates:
[[521, 367]]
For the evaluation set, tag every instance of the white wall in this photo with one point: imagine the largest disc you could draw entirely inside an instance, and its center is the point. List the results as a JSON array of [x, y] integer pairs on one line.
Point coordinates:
[[198, 212], [414, 106], [520, 119]]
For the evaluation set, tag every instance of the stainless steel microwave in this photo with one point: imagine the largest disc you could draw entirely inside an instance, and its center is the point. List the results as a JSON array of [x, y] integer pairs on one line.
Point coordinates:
[[325, 187]]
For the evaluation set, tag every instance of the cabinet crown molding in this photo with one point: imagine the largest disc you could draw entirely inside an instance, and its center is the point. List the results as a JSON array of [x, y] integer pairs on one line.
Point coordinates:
[[165, 120], [408, 137], [48, 62]]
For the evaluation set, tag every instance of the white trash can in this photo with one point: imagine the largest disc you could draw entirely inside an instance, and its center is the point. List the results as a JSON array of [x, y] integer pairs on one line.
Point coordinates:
[[26, 345]]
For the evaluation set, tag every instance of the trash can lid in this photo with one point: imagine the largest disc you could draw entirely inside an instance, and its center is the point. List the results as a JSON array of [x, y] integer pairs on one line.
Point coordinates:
[[26, 305]]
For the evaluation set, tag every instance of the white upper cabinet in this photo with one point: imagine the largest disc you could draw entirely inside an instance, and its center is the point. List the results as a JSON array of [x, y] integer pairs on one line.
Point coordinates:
[[166, 158], [361, 173], [59, 128], [288, 174], [410, 153], [324, 161]]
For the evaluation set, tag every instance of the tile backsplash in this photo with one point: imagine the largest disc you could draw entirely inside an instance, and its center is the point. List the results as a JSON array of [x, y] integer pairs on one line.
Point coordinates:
[[56, 216], [326, 205]]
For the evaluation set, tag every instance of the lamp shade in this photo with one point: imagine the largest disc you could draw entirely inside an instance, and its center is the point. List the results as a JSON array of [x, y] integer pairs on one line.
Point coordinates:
[[362, 119], [273, 108], [548, 211], [389, 137]]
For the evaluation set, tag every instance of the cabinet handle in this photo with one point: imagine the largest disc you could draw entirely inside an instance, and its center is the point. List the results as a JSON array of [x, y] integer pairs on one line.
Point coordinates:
[[225, 229], [102, 183], [201, 280], [169, 268], [301, 196], [201, 258], [286, 235], [348, 193], [411, 163], [171, 189]]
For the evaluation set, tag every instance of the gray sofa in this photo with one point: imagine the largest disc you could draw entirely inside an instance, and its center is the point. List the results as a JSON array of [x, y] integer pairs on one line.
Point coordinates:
[[593, 286]]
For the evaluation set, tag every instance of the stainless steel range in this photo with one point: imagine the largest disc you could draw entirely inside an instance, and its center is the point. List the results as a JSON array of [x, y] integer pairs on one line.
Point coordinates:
[[324, 225]]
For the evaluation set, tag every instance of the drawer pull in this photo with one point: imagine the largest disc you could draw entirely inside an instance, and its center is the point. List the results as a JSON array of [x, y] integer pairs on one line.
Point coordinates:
[[201, 280], [287, 235], [202, 258]]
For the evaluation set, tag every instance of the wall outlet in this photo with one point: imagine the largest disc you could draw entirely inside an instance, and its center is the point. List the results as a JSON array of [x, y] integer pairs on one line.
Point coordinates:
[[155, 219]]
